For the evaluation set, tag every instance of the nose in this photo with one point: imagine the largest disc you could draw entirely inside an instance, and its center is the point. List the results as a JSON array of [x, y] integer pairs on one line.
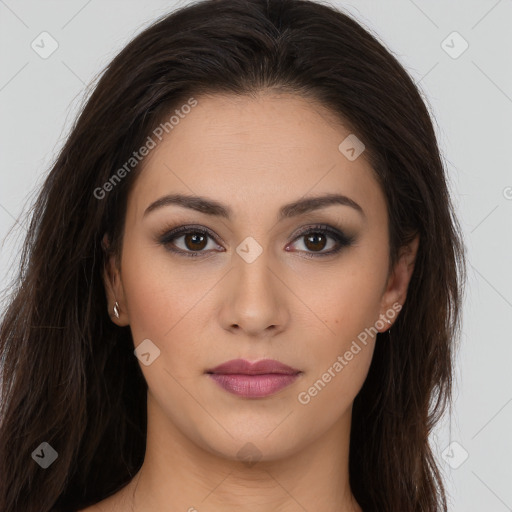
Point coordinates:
[[255, 298]]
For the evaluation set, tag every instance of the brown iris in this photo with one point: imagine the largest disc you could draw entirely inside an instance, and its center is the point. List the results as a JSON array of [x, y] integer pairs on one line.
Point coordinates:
[[312, 241], [193, 240]]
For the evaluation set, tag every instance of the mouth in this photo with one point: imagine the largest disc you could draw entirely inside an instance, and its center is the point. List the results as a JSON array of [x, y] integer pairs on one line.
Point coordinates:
[[253, 380]]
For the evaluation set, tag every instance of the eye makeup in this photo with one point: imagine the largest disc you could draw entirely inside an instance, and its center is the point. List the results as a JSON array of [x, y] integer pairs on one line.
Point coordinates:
[[199, 235]]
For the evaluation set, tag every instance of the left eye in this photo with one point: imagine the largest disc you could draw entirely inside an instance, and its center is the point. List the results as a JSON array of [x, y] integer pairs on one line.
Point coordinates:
[[315, 240], [195, 241]]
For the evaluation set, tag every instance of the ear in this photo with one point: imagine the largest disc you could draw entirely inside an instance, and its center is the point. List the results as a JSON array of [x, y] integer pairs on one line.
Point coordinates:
[[113, 286], [395, 293]]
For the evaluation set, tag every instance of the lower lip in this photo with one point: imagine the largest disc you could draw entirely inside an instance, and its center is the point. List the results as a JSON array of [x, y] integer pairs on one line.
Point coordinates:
[[253, 386]]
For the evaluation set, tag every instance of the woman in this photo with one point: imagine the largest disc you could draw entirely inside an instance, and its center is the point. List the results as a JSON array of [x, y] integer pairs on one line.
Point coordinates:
[[241, 285]]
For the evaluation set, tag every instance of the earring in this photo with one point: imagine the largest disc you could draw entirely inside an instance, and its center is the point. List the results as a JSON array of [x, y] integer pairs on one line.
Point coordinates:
[[116, 309]]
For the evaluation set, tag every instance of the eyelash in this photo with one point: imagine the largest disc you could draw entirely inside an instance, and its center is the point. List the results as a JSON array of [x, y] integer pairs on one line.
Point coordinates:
[[342, 240]]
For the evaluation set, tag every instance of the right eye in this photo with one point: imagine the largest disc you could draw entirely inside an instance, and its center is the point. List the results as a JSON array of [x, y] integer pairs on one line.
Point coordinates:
[[195, 240]]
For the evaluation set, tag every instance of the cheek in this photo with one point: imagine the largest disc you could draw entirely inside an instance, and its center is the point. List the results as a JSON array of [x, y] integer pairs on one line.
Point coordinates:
[[151, 294], [346, 299], [148, 299], [340, 359], [330, 392], [161, 308], [346, 304], [163, 304]]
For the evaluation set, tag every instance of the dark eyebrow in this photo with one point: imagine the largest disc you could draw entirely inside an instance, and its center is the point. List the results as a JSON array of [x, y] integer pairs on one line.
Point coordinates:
[[212, 207]]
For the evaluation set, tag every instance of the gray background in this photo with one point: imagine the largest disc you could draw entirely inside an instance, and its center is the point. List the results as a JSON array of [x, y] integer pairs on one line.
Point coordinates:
[[470, 98]]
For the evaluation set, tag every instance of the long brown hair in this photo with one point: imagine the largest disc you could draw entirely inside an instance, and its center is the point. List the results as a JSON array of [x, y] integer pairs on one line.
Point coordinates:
[[70, 378]]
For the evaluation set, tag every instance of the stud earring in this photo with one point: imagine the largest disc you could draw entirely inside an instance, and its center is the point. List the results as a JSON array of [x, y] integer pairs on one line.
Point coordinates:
[[116, 309]]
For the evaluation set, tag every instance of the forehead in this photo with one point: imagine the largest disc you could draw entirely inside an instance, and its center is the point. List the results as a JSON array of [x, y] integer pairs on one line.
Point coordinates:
[[252, 152]]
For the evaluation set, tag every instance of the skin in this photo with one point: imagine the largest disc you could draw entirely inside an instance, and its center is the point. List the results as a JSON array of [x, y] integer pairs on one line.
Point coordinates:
[[254, 155]]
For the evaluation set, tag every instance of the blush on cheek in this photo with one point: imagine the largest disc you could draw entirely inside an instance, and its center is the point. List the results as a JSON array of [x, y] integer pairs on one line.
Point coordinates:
[[150, 309]]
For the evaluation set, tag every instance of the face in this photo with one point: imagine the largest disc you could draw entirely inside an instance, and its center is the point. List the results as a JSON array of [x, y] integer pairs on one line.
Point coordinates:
[[260, 273]]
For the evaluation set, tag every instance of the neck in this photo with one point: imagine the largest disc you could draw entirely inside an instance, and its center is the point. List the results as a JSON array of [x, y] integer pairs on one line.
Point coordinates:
[[179, 474]]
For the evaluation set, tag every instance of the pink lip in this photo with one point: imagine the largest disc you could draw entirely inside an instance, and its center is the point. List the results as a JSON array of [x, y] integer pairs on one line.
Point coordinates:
[[253, 380]]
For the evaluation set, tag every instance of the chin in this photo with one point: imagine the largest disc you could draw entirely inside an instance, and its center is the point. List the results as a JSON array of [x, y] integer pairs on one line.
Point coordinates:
[[252, 445]]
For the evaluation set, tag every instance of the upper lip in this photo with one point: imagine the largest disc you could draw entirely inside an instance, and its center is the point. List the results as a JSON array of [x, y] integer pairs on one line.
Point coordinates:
[[263, 366]]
